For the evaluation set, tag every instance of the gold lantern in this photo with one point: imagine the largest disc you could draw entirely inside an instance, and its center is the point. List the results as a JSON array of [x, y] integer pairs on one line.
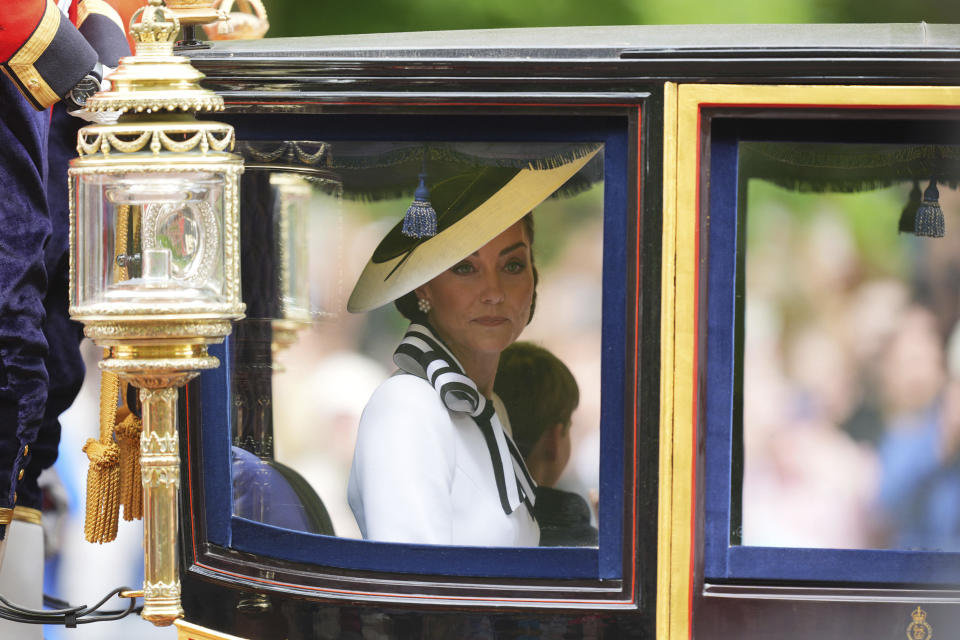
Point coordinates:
[[154, 266]]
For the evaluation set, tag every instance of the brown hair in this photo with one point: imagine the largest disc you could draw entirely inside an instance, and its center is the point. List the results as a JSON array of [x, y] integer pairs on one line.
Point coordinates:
[[538, 391]]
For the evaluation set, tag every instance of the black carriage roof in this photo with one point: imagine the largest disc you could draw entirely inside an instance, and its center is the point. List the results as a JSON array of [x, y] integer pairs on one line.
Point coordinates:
[[600, 42], [508, 59]]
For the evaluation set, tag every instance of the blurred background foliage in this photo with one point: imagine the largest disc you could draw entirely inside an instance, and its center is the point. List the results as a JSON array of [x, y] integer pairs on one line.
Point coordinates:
[[289, 18]]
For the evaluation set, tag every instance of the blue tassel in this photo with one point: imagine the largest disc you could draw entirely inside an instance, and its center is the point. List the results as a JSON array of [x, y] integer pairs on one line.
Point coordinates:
[[929, 222], [420, 220]]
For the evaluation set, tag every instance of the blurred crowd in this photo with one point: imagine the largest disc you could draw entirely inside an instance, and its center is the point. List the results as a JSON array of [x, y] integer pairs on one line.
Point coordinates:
[[851, 383]]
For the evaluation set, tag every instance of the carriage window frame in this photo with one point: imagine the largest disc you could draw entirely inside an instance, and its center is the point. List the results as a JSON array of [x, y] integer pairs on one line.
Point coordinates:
[[613, 562], [720, 341]]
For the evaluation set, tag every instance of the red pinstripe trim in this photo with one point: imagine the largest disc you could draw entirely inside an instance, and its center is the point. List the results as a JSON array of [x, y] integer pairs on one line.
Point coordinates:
[[696, 365]]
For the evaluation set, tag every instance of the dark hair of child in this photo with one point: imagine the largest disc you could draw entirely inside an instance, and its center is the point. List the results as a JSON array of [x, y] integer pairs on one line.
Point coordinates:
[[538, 391]]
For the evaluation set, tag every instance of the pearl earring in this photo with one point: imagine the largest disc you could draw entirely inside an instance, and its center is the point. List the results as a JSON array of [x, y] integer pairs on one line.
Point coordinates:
[[424, 305]]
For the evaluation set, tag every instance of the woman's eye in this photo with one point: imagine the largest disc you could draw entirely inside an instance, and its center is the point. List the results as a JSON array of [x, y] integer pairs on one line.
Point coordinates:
[[462, 268], [515, 266]]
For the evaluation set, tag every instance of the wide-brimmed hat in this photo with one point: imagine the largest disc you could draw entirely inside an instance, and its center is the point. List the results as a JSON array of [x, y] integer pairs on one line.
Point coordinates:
[[472, 209]]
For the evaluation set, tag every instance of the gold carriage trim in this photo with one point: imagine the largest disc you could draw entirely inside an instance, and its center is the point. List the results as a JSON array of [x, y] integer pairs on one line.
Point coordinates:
[[189, 631]]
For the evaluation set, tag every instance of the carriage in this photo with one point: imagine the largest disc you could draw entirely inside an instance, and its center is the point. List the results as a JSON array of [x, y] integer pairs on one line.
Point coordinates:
[[755, 283]]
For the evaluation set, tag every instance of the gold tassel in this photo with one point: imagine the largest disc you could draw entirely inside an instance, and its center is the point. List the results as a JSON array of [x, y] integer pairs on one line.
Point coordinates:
[[127, 433], [107, 460], [103, 476]]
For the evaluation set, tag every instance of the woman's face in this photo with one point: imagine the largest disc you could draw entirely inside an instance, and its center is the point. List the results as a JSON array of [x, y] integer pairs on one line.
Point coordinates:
[[481, 304]]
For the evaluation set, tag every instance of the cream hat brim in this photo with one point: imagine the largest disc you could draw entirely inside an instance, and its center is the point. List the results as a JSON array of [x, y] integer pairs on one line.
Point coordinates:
[[383, 282]]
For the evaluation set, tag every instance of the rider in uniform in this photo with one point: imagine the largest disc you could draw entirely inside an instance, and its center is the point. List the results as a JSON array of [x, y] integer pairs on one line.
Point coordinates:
[[53, 56]]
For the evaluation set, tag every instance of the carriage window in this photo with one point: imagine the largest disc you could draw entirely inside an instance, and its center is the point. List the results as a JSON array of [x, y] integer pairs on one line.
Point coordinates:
[[308, 375], [851, 346]]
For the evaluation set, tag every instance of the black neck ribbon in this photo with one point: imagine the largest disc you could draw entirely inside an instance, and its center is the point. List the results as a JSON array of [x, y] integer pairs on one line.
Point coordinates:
[[422, 354]]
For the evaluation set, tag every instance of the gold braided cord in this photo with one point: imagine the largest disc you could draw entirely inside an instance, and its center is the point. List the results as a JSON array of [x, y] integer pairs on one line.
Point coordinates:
[[109, 390], [127, 432], [135, 220], [127, 426], [120, 273], [103, 476]]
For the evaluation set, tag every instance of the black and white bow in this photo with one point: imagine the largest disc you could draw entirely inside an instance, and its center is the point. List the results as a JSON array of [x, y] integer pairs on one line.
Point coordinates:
[[422, 354]]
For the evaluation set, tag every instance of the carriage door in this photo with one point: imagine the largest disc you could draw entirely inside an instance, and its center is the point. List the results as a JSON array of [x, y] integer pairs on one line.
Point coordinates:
[[811, 380]]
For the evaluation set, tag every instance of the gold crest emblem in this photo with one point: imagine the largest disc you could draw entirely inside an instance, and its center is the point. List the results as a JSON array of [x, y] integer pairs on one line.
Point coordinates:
[[919, 629]]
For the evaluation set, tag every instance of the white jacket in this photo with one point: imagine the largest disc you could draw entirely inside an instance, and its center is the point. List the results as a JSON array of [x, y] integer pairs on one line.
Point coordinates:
[[422, 474]]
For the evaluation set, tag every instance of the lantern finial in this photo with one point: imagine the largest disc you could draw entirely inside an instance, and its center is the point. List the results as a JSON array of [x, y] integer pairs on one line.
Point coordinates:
[[158, 25], [155, 79]]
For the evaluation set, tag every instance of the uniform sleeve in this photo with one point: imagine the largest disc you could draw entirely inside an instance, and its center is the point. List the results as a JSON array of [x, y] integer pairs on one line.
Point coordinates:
[[42, 52], [400, 482], [25, 221], [104, 29]]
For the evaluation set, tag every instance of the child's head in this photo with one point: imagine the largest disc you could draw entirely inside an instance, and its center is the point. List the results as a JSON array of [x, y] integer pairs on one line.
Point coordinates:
[[540, 395]]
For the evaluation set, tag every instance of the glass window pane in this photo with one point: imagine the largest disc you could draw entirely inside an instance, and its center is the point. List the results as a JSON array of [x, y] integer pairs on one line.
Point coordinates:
[[304, 368], [851, 350]]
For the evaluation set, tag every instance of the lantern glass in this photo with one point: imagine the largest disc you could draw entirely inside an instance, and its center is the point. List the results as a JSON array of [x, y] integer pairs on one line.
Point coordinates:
[[149, 237]]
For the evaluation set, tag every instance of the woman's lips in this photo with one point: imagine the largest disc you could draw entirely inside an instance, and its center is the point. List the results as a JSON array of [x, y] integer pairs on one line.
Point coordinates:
[[490, 321]]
